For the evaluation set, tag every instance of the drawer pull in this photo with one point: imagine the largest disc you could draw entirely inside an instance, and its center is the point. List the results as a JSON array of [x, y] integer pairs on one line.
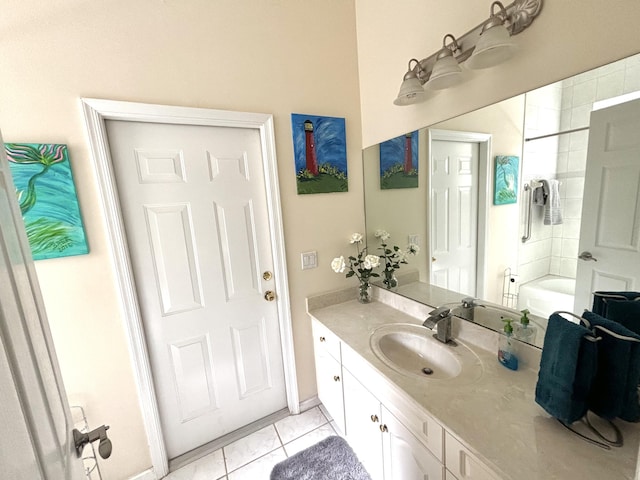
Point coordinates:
[[336, 378], [322, 339], [383, 428], [374, 418]]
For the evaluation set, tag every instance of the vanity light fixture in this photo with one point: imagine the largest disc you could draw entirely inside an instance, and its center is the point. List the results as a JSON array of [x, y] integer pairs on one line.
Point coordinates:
[[486, 45], [411, 90], [495, 45], [446, 71]]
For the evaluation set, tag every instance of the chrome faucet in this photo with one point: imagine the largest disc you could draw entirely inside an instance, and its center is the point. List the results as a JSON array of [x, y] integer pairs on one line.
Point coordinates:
[[440, 318], [466, 309]]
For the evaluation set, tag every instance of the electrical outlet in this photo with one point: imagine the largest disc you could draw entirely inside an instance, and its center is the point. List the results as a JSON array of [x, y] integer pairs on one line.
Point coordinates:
[[309, 260]]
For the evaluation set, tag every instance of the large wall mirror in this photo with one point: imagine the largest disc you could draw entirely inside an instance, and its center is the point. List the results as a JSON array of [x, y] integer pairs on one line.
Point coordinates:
[[484, 227]]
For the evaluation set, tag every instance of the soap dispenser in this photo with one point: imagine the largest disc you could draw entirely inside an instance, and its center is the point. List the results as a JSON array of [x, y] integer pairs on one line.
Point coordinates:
[[506, 349], [525, 331]]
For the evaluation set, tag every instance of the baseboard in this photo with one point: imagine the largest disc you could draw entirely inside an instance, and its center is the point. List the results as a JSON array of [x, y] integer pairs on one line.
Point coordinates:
[[309, 403], [146, 475]]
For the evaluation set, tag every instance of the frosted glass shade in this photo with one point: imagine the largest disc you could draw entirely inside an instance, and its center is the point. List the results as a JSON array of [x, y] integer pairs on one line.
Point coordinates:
[[411, 91], [493, 47], [446, 73]]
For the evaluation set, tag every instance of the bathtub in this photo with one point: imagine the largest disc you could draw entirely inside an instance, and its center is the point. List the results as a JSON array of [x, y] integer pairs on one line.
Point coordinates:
[[547, 294]]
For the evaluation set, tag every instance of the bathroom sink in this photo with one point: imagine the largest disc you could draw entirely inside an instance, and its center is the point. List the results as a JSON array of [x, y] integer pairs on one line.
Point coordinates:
[[413, 351]]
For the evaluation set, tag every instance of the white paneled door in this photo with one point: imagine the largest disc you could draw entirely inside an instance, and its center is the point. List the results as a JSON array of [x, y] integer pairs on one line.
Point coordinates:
[[610, 226], [194, 206], [454, 215]]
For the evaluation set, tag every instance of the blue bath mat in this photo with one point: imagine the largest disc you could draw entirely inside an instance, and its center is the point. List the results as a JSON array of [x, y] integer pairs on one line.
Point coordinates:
[[330, 459]]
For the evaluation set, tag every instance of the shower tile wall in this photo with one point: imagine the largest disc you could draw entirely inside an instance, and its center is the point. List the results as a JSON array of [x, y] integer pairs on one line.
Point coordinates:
[[576, 97], [542, 116]]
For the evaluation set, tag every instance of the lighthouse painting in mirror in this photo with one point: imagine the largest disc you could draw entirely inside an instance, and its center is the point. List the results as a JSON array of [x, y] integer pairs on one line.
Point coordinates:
[[320, 152], [399, 162]]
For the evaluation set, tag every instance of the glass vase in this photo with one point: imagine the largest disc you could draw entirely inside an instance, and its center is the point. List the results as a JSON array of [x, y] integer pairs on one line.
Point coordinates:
[[364, 292], [390, 281]]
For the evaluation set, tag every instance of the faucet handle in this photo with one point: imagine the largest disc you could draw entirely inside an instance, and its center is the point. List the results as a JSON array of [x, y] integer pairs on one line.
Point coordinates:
[[440, 312], [468, 302]]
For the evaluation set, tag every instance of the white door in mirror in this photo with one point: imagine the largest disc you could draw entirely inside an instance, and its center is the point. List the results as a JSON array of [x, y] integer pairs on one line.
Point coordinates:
[[454, 215], [609, 233]]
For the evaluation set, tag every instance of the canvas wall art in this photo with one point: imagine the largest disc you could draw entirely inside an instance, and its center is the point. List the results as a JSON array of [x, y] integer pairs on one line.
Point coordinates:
[[399, 162], [320, 152], [506, 180], [47, 197]]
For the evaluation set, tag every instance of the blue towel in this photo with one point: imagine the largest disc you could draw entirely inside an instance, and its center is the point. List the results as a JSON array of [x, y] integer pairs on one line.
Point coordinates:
[[615, 387], [600, 302], [626, 313], [567, 368]]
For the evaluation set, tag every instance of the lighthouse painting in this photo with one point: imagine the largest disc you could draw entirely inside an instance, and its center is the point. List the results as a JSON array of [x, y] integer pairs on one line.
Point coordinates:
[[399, 162], [320, 152]]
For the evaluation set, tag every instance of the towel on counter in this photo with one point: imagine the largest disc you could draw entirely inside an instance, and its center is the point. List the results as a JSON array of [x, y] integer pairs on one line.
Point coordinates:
[[601, 300], [552, 209], [626, 313], [567, 369], [615, 387]]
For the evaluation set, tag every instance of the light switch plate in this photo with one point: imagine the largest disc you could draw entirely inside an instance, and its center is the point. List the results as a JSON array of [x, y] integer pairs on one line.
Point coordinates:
[[309, 260], [415, 238]]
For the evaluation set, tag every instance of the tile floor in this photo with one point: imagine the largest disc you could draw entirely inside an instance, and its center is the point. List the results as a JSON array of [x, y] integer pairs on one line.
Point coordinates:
[[253, 457]]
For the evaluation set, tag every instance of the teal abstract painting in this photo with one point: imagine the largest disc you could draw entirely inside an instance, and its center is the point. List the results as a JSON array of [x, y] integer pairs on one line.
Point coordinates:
[[506, 180], [47, 197]]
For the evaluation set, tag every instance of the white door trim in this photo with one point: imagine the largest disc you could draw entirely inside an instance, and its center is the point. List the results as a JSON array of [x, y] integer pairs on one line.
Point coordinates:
[[96, 111], [484, 139]]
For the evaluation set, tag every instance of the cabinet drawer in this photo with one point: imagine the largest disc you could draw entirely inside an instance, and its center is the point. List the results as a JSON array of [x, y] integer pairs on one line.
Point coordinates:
[[323, 338], [464, 464]]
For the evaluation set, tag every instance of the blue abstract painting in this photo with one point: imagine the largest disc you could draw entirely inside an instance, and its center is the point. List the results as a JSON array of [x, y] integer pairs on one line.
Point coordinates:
[[399, 162], [47, 197], [320, 153], [506, 180]]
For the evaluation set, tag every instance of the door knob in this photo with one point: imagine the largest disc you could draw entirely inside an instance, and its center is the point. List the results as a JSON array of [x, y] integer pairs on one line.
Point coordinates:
[[267, 275], [587, 256], [433, 259], [269, 295], [384, 429], [374, 418]]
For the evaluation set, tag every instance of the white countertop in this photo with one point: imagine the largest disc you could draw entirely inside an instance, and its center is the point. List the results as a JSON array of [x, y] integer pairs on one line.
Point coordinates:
[[495, 416]]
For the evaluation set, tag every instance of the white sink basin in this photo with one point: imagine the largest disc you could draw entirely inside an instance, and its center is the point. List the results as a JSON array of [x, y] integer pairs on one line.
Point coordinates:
[[411, 350]]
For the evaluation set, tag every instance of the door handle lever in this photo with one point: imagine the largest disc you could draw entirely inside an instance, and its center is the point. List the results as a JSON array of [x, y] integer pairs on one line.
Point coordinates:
[[81, 439], [587, 256]]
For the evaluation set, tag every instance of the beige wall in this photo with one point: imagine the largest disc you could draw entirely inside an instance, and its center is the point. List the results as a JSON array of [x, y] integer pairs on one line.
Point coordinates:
[[272, 56], [569, 36]]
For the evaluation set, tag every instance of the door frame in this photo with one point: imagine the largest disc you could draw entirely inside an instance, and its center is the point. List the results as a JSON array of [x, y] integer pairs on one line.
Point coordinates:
[[96, 111], [484, 141]]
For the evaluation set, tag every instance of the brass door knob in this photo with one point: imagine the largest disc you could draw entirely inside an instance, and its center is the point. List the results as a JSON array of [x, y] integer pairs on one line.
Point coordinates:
[[267, 275], [374, 418], [383, 428], [270, 296], [336, 378]]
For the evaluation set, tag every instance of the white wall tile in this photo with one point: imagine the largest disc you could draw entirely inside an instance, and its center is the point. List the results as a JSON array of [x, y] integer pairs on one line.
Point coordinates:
[[577, 161], [611, 85], [568, 267], [574, 186], [580, 116], [570, 248], [572, 208], [631, 79], [584, 93]]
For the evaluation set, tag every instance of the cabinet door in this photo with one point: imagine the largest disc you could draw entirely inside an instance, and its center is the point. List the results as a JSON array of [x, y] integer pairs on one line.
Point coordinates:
[[464, 464], [329, 382], [405, 458], [362, 418]]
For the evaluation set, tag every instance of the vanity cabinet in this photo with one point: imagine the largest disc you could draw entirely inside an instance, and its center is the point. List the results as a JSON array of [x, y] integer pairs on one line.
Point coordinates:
[[392, 437], [386, 447], [329, 372]]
